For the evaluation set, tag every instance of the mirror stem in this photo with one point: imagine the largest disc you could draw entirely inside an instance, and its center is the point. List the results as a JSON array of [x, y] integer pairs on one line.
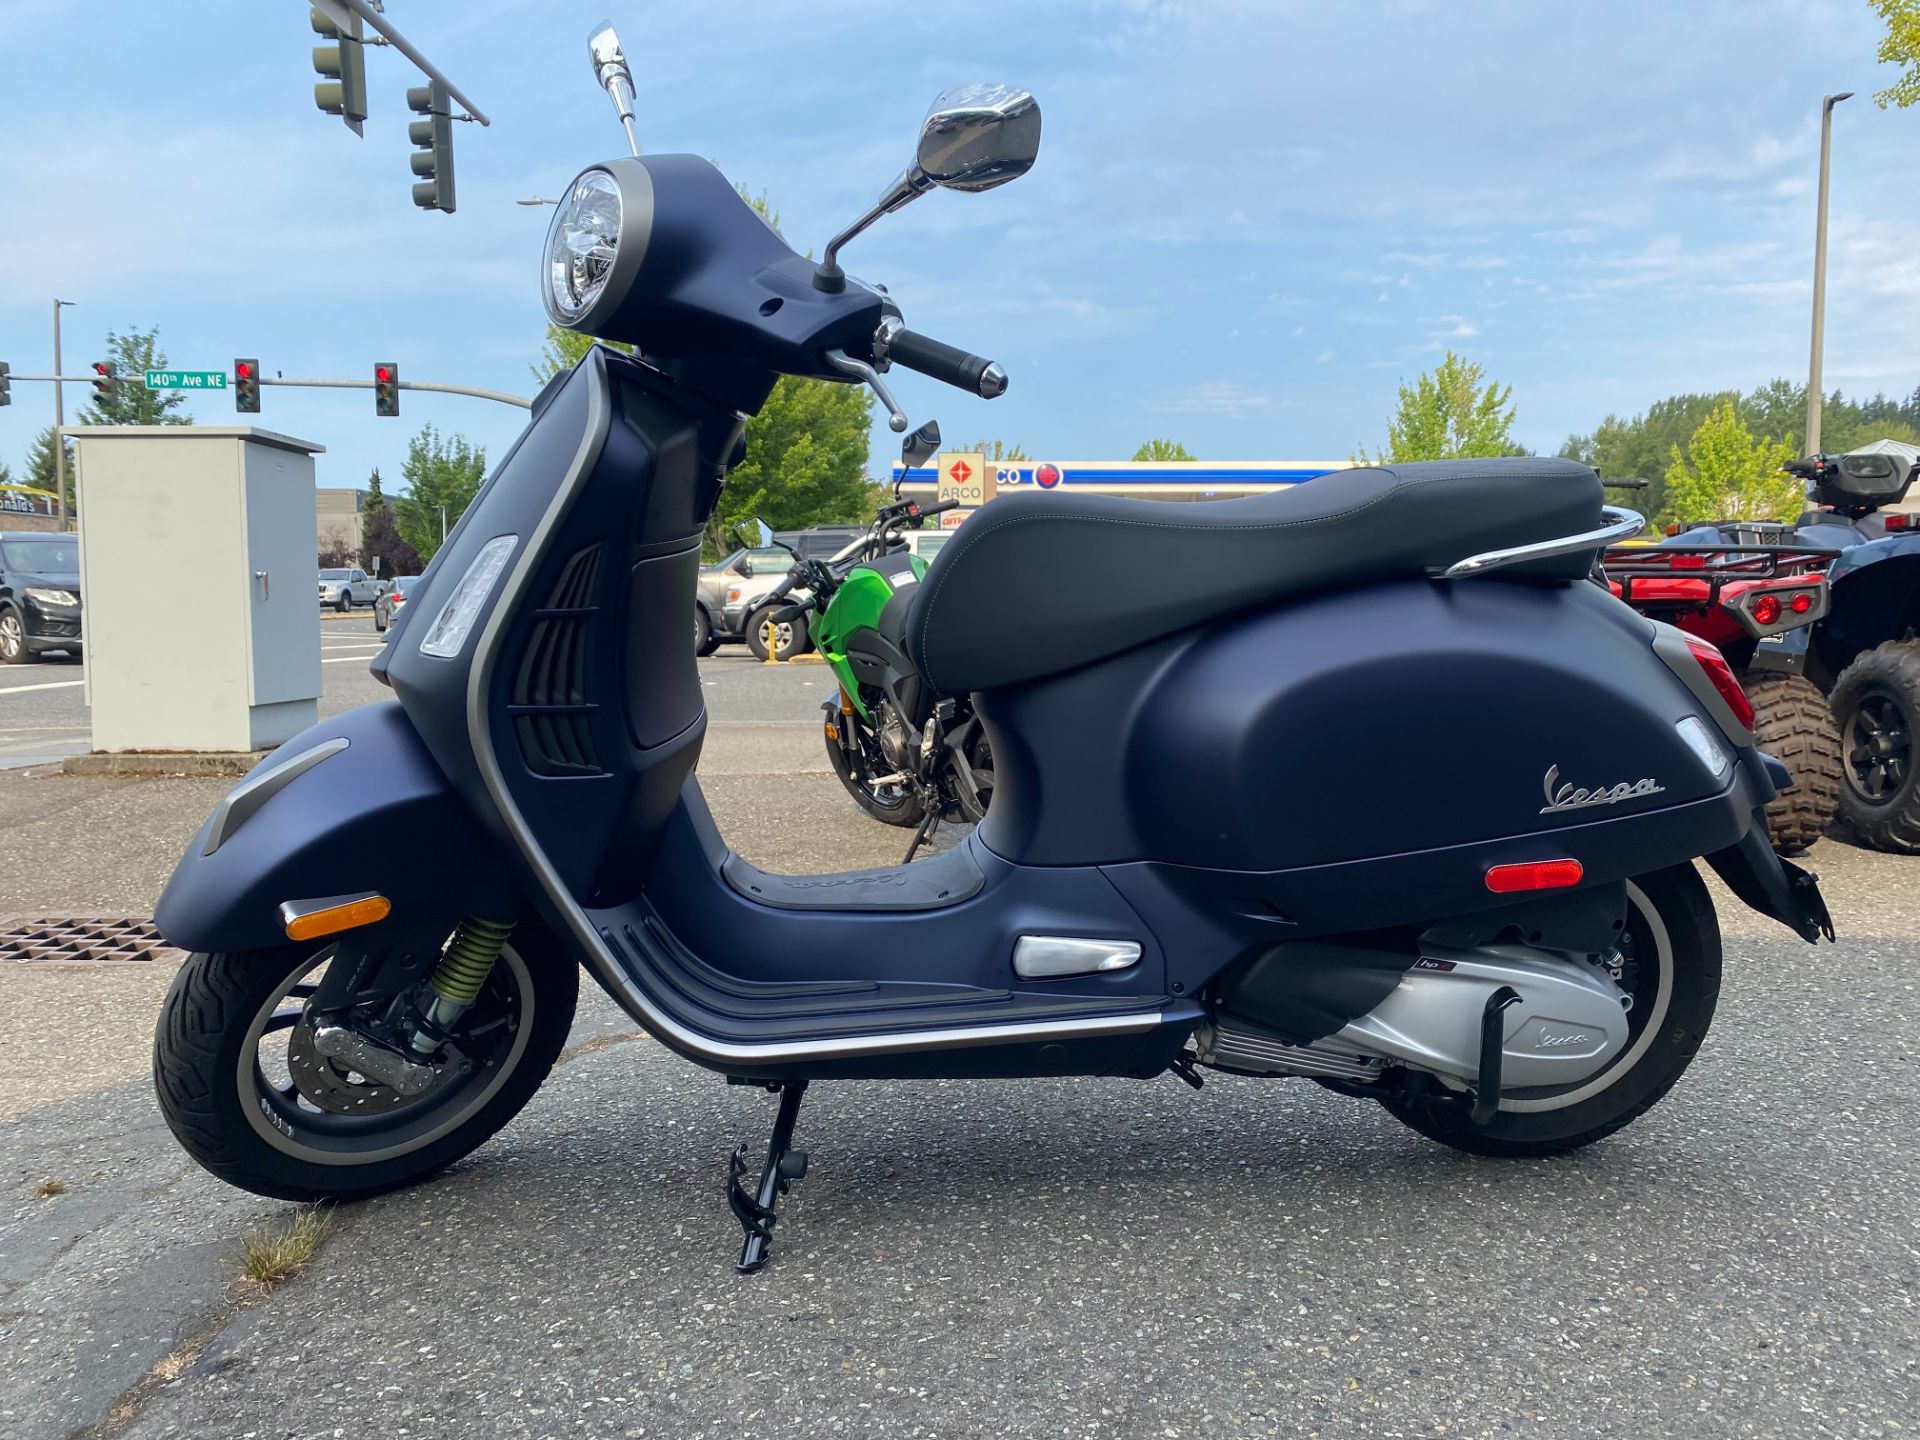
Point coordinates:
[[828, 275]]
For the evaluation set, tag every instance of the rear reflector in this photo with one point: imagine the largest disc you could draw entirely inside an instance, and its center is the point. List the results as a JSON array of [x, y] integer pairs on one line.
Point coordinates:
[[1536, 875], [301, 923], [1721, 674]]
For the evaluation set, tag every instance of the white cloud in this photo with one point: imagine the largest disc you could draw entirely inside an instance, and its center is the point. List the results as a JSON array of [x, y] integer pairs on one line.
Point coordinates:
[[1228, 399]]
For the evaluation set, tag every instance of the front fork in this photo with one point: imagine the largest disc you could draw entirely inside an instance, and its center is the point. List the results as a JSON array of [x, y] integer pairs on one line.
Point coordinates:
[[395, 1049]]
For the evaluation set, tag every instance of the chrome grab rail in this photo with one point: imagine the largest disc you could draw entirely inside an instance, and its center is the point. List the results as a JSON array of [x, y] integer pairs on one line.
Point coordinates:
[[1625, 524]]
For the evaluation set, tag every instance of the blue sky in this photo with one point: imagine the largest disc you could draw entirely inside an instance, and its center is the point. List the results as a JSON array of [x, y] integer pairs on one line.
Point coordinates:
[[1248, 221]]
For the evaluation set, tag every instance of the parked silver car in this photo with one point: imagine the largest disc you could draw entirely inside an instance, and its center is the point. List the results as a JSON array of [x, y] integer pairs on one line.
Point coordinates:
[[345, 588], [744, 571], [387, 608]]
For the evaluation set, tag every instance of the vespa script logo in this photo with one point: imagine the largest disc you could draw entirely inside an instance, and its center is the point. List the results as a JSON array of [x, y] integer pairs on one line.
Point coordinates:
[[1569, 797]]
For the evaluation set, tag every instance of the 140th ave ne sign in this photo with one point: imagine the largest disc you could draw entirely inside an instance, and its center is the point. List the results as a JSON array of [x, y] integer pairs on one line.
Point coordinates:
[[186, 379]]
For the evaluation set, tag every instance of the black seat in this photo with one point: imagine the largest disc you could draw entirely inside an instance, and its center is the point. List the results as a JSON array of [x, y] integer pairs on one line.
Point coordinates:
[[1039, 583]]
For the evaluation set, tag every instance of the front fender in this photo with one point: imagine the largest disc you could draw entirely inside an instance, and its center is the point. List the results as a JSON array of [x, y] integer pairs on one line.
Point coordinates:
[[322, 818]]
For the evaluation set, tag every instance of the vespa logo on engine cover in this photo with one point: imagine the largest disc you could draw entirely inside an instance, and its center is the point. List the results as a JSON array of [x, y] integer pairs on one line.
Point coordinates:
[[1569, 797]]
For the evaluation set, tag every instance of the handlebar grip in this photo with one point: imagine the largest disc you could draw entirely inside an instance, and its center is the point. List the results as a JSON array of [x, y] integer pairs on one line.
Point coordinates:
[[787, 614], [945, 362], [783, 589], [944, 505]]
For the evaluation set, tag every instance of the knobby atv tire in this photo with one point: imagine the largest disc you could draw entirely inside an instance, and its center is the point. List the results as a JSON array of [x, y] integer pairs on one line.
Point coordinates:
[[196, 1053], [1891, 670], [1684, 908], [1792, 723]]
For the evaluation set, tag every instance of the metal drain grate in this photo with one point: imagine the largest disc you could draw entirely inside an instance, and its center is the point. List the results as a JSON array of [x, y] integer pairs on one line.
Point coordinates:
[[72, 940]]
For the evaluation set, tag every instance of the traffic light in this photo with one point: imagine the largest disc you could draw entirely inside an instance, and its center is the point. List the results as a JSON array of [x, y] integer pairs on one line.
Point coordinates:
[[386, 388], [6, 383], [103, 386], [246, 386], [344, 63], [433, 160]]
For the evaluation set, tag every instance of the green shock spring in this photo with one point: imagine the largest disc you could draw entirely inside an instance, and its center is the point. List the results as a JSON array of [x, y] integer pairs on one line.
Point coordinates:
[[469, 959]]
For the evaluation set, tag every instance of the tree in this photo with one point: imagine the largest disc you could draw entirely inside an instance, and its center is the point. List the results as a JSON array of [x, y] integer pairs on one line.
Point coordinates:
[[1901, 47], [997, 450], [380, 540], [443, 475], [1162, 450], [562, 351], [40, 464], [1729, 473], [130, 402], [806, 461], [1455, 413], [376, 496]]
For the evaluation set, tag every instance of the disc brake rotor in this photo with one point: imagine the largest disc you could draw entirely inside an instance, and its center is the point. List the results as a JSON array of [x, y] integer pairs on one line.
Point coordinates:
[[333, 1086]]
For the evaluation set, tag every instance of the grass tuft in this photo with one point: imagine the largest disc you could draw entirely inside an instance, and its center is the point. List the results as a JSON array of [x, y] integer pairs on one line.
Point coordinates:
[[51, 1186], [275, 1255]]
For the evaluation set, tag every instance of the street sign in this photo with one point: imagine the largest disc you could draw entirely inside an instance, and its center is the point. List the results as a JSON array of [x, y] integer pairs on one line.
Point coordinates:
[[965, 476], [186, 379]]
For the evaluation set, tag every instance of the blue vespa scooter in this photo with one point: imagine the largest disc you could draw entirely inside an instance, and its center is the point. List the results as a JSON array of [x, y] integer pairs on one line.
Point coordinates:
[[1383, 791]]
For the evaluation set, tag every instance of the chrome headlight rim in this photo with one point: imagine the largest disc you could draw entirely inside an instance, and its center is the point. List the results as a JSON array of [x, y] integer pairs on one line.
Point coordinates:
[[590, 307]]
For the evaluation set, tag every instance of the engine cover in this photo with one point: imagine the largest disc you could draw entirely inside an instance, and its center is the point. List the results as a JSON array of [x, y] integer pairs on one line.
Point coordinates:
[[1571, 1019]]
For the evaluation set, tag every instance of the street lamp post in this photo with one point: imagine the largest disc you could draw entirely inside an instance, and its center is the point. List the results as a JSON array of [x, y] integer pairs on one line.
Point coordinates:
[[1814, 383], [59, 419]]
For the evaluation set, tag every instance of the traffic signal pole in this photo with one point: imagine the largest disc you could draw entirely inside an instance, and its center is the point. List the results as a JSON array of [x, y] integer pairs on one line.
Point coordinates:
[[475, 391], [59, 419]]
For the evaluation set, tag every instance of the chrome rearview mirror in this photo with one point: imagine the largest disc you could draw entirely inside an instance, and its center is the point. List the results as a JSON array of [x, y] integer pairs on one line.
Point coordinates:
[[975, 137], [978, 136], [610, 70]]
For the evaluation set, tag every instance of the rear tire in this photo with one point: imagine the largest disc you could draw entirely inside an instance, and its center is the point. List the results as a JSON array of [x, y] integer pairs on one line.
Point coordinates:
[[793, 634], [1671, 920], [208, 1055], [704, 640], [1793, 723], [1877, 704]]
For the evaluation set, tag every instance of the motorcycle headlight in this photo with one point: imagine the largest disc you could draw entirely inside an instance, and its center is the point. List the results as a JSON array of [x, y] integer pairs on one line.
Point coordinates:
[[583, 251], [59, 599]]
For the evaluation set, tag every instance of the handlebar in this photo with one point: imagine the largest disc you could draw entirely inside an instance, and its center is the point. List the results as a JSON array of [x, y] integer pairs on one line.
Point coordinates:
[[787, 614], [941, 361], [942, 507]]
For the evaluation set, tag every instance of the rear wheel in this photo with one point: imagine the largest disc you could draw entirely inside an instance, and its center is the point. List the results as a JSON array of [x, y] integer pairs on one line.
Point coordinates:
[[1877, 704], [704, 640], [792, 633], [1792, 723], [1670, 967], [245, 1089]]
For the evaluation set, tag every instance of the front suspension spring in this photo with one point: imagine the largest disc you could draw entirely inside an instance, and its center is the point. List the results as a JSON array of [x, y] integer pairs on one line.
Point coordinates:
[[469, 959]]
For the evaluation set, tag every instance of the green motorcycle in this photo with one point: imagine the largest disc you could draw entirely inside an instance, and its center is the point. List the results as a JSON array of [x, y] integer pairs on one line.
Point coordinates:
[[907, 755]]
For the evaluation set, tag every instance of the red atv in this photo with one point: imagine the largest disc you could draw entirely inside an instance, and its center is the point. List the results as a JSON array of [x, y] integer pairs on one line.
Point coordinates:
[[1743, 599]]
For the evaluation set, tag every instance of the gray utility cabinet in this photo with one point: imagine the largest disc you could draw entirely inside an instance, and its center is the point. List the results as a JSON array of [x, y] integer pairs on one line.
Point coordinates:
[[197, 562]]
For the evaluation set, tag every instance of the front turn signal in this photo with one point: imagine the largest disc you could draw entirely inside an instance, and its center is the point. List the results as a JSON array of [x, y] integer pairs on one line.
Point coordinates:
[[311, 919]]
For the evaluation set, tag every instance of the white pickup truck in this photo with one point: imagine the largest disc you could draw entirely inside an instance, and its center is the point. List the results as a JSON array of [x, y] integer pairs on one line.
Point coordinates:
[[344, 589]]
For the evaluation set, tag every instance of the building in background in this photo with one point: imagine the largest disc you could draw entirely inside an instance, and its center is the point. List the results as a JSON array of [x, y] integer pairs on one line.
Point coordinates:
[[337, 521], [21, 511], [1139, 480]]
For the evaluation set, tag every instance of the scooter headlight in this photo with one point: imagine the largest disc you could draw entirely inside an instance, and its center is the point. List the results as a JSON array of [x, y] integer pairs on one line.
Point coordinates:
[[583, 247]]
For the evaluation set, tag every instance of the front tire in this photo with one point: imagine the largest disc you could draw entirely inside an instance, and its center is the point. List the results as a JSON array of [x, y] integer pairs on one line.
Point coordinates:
[[1792, 723], [1674, 942], [211, 1059], [890, 805], [1877, 704], [13, 638]]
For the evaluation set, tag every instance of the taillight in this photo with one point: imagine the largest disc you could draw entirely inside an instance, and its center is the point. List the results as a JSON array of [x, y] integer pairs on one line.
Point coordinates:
[[1721, 674], [1537, 875], [1801, 602], [1898, 522], [1766, 609], [1687, 562]]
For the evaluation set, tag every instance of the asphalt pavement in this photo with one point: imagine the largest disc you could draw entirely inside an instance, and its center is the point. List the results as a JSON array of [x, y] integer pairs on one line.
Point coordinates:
[[1086, 1258]]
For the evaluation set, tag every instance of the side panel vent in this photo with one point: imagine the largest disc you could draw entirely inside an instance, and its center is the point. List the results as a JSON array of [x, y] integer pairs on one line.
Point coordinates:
[[552, 703]]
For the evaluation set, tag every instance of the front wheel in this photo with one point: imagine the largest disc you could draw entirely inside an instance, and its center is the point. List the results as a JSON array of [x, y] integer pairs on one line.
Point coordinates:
[[1669, 967], [1876, 701], [246, 1090], [859, 761], [1792, 723], [13, 638]]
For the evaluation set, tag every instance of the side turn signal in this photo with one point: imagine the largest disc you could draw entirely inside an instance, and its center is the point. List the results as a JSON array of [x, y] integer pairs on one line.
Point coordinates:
[[309, 919]]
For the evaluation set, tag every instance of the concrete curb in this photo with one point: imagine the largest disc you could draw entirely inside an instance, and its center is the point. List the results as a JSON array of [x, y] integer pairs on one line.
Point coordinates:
[[149, 764]]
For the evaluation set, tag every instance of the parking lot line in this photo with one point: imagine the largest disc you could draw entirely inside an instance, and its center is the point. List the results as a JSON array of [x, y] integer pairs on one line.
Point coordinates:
[[49, 685]]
